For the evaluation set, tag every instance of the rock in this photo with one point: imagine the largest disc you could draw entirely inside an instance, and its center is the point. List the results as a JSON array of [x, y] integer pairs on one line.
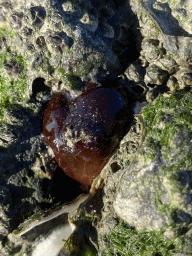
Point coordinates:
[[154, 190], [151, 49], [155, 75], [68, 40], [165, 21], [166, 38], [135, 72], [172, 83], [47, 46], [167, 63]]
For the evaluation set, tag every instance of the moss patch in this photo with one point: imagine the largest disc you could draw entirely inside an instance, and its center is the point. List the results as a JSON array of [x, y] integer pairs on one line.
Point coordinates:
[[168, 124], [12, 88], [165, 118], [169, 130], [12, 91], [127, 241]]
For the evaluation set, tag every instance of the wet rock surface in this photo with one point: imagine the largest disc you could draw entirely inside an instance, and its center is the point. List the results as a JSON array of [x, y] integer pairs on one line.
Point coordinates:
[[48, 46], [64, 39]]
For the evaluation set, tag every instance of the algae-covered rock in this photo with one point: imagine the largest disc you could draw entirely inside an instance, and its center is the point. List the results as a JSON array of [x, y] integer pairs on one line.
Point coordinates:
[[46, 46], [69, 41], [58, 39], [154, 192]]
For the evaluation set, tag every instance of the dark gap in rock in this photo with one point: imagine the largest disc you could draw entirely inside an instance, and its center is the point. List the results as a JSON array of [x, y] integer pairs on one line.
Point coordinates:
[[4, 241], [187, 88], [151, 85], [115, 167], [63, 186], [24, 179], [16, 250], [137, 89], [38, 11], [38, 86], [43, 169], [119, 3], [183, 231], [30, 173], [125, 46]]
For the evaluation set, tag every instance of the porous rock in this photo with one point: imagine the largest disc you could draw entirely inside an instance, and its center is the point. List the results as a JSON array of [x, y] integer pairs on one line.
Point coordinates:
[[59, 39], [166, 43], [44, 41], [154, 191]]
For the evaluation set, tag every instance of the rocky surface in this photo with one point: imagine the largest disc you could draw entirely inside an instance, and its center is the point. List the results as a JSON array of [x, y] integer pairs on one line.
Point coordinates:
[[68, 41], [46, 46], [155, 190]]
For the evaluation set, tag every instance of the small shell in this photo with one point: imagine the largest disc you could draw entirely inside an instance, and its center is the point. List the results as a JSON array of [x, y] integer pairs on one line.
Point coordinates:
[[172, 83], [90, 21], [47, 227], [68, 7], [151, 50], [135, 72], [187, 79], [184, 77], [155, 75]]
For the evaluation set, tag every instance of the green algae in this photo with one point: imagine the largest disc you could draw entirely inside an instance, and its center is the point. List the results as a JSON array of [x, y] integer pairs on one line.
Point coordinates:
[[12, 91], [168, 124], [127, 241], [12, 88], [165, 117]]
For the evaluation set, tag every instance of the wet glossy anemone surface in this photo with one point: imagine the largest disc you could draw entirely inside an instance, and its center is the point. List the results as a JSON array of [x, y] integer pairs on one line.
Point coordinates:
[[84, 131]]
